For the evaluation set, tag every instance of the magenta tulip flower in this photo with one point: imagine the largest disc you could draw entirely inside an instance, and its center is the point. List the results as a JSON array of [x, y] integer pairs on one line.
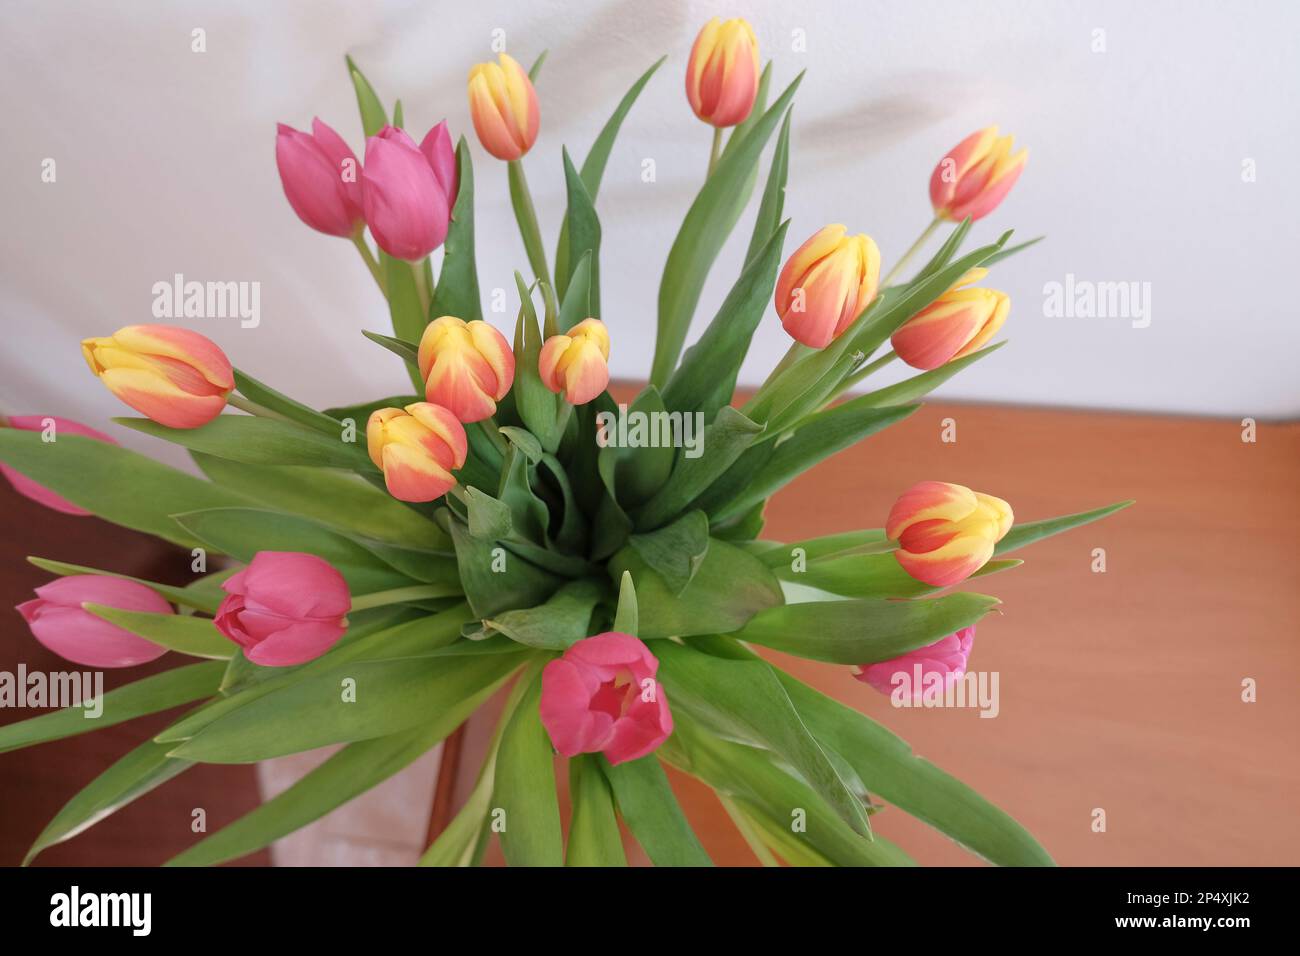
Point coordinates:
[[30, 489], [321, 178], [945, 657], [441, 154], [406, 203], [285, 608], [601, 696], [59, 621]]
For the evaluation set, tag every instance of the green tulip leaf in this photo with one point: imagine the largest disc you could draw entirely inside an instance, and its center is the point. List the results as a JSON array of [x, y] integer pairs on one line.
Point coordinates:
[[863, 631], [704, 230], [561, 622], [675, 551], [744, 700], [457, 292], [260, 441], [728, 589], [648, 807], [524, 789], [1031, 531], [594, 837], [593, 167], [149, 695], [342, 501], [117, 484], [195, 636]]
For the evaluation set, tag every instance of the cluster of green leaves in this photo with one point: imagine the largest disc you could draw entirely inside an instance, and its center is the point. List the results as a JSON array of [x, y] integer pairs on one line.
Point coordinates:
[[552, 538]]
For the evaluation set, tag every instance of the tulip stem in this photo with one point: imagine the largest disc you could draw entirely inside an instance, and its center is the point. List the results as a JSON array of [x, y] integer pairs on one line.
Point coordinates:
[[359, 240], [416, 592], [716, 151], [521, 198], [860, 374], [556, 436], [493, 432], [421, 287], [747, 831], [911, 251], [240, 402]]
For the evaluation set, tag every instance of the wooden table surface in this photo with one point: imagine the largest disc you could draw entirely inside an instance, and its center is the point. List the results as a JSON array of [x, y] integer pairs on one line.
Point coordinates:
[[1120, 691]]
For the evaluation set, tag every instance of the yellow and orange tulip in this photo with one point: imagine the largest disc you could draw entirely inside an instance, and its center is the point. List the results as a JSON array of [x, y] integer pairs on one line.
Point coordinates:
[[467, 367], [577, 364], [953, 325], [946, 532], [826, 284], [417, 448], [722, 73], [503, 105], [975, 176], [174, 376]]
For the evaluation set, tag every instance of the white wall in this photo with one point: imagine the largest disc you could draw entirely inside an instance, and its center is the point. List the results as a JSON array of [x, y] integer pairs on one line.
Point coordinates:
[[165, 164]]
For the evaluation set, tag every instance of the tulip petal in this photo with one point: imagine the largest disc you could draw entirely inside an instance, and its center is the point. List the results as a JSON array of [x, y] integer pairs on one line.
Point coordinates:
[[155, 397], [929, 500], [297, 643], [411, 476], [183, 345]]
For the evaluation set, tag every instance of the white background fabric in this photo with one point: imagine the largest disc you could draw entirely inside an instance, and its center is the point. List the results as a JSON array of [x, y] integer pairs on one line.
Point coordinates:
[[165, 164]]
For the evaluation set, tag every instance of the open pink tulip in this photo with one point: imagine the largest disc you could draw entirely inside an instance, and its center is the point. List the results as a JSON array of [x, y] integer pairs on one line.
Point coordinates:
[[601, 696], [405, 196], [285, 608], [319, 173], [30, 489], [946, 657], [59, 621]]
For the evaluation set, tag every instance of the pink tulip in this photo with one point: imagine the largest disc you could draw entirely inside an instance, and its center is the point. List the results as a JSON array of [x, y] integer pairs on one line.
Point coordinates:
[[405, 194], [59, 621], [285, 608], [319, 173], [30, 489], [601, 696], [441, 154], [945, 657]]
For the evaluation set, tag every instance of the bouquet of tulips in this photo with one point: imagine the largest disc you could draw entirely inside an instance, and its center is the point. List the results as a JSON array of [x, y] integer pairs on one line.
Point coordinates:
[[382, 569]]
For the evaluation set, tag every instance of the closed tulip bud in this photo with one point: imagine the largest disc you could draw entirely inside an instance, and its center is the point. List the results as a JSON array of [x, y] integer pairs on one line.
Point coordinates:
[[30, 489], [601, 696], [406, 204], [503, 105], [417, 448], [176, 377], [722, 73], [975, 176], [828, 282], [946, 532], [953, 326], [285, 608], [60, 622], [577, 364], [441, 155], [318, 171], [941, 664], [467, 367]]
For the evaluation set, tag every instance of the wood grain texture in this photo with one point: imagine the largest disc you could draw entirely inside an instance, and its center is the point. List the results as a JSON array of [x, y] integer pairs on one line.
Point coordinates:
[[1121, 690]]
